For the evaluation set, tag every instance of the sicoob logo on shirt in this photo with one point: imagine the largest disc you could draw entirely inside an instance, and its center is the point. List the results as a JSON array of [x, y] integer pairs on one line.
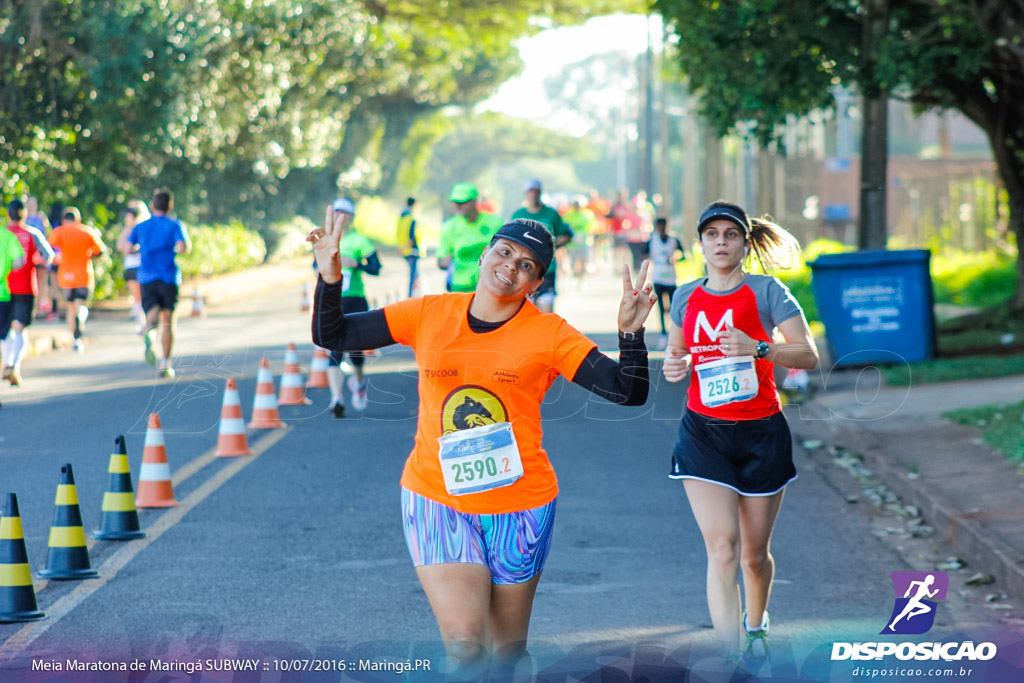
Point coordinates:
[[471, 406]]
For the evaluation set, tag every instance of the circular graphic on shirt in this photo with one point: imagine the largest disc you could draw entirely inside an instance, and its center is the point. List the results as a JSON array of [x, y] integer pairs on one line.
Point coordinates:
[[471, 406]]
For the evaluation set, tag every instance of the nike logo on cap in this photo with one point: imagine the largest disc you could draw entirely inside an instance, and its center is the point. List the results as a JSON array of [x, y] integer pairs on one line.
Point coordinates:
[[528, 236]]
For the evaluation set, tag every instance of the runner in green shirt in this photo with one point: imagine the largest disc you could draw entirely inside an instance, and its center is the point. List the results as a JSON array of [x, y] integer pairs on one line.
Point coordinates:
[[581, 221], [536, 210], [12, 257], [464, 237]]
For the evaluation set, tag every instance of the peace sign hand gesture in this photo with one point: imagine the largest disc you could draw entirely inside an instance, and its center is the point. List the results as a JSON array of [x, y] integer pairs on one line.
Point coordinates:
[[325, 244], [636, 304]]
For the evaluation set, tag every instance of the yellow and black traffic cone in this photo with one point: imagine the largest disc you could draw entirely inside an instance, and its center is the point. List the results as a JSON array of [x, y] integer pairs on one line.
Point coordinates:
[[120, 518], [68, 558], [17, 597]]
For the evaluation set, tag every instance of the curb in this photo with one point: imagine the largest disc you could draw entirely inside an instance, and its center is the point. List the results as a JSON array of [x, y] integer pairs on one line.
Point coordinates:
[[986, 550]]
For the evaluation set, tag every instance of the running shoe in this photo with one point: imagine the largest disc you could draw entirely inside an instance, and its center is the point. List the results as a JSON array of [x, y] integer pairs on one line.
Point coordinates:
[[337, 411], [148, 339], [165, 369], [7, 372], [14, 377], [77, 346], [358, 390], [757, 640]]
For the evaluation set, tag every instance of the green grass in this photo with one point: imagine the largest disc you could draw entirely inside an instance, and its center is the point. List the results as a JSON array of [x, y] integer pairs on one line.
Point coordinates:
[[1002, 427], [953, 369]]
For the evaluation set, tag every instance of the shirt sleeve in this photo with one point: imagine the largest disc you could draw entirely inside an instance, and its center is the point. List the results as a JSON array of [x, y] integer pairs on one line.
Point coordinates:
[[403, 318], [680, 297], [42, 245], [782, 305], [626, 382], [569, 348], [445, 246], [334, 330]]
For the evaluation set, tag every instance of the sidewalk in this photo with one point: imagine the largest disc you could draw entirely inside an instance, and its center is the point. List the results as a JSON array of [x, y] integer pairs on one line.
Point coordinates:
[[970, 494]]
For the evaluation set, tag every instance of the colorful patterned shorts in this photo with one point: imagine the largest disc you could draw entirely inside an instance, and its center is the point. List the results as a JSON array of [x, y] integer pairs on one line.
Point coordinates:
[[514, 545]]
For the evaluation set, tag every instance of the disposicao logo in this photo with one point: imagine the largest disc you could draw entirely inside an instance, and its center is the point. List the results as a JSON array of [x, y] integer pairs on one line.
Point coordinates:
[[916, 593], [913, 613]]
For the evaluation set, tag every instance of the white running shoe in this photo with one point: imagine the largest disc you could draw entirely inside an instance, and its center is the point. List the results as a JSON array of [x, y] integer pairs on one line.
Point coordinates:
[[358, 390]]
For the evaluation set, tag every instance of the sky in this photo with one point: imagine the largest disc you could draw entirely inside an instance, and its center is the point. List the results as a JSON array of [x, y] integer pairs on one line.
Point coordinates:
[[549, 51]]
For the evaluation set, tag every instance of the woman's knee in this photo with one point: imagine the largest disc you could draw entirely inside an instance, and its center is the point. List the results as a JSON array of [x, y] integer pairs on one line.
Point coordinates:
[[756, 560], [723, 551]]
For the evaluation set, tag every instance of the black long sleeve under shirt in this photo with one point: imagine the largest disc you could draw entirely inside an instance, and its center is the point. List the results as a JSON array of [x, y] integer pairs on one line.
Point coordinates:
[[625, 382]]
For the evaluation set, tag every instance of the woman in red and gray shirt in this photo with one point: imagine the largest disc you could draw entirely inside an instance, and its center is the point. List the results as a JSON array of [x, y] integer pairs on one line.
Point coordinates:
[[734, 451]]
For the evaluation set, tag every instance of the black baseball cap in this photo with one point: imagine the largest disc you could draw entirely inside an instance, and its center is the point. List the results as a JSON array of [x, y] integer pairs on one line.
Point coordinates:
[[531, 234], [734, 215]]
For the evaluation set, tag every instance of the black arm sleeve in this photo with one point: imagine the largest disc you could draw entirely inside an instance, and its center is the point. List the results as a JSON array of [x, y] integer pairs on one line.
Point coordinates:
[[626, 382], [335, 331], [372, 265]]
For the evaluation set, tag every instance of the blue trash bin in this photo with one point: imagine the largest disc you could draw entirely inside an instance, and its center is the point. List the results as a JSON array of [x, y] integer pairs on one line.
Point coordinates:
[[876, 305]]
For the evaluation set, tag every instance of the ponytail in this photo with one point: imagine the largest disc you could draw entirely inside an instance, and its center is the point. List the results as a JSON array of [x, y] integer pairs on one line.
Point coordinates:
[[774, 246]]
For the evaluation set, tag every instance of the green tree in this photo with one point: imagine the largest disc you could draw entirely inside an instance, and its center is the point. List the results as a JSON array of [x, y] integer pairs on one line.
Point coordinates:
[[753, 65]]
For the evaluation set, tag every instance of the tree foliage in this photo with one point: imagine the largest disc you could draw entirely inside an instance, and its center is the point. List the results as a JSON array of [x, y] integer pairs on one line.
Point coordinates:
[[248, 109], [753, 64]]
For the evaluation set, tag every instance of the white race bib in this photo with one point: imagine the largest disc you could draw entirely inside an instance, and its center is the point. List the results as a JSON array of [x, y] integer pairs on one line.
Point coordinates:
[[727, 380], [346, 279], [480, 459]]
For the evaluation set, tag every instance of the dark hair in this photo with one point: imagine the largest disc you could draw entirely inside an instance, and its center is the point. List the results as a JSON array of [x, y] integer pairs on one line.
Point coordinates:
[[661, 221], [132, 210], [773, 245], [16, 210], [163, 200], [56, 214], [410, 201]]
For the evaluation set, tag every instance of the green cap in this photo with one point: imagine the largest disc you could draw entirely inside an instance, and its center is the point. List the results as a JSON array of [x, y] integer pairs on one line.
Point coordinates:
[[463, 192]]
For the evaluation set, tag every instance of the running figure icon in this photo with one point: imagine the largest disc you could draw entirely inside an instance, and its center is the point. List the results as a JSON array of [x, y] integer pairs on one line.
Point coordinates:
[[915, 607]]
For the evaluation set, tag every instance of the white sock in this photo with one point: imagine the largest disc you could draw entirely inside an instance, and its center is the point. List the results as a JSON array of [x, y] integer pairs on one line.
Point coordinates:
[[19, 343]]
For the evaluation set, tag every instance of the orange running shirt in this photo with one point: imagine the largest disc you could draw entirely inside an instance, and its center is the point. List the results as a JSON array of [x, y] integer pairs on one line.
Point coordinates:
[[468, 379], [77, 245]]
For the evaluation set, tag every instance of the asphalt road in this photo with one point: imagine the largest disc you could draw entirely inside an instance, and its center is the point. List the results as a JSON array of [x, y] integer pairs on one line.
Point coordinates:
[[297, 552]]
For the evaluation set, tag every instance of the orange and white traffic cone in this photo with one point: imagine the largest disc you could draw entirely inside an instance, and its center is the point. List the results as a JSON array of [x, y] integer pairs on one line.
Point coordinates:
[[305, 304], [155, 488], [265, 414], [293, 392], [231, 438], [198, 308], [318, 369]]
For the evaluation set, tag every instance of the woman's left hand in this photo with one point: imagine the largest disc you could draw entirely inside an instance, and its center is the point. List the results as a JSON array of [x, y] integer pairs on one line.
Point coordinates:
[[735, 342], [637, 299]]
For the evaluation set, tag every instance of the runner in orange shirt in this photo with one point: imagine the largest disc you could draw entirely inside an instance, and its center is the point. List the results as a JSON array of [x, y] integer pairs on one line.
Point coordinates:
[[78, 245], [478, 492]]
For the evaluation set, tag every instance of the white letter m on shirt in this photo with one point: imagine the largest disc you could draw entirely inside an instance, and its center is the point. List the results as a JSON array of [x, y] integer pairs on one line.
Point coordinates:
[[702, 322]]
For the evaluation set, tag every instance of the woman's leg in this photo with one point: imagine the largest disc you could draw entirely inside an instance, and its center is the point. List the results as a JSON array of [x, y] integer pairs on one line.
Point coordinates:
[[716, 511], [757, 516], [511, 606], [460, 596]]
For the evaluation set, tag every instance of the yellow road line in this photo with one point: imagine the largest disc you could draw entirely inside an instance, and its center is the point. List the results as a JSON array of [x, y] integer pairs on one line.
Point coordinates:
[[24, 637]]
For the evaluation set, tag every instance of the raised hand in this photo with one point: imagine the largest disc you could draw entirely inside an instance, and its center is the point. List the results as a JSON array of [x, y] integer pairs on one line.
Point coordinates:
[[637, 299], [325, 244]]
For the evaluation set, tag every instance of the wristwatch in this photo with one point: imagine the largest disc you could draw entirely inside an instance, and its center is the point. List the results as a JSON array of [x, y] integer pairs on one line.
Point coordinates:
[[762, 349]]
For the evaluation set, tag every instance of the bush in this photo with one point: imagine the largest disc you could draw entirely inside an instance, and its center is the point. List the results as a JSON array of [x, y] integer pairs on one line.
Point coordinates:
[[221, 249], [981, 279]]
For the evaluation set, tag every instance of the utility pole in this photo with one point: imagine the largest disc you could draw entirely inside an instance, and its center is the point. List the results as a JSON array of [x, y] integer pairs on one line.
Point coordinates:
[[871, 228]]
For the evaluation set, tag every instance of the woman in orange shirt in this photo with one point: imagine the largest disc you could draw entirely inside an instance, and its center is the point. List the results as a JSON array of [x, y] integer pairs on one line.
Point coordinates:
[[478, 491]]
